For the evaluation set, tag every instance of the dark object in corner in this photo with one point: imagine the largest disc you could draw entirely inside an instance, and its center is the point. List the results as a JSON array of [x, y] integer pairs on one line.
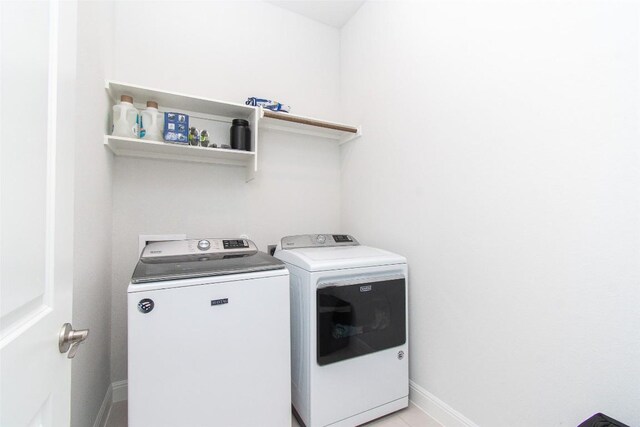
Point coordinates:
[[601, 420]]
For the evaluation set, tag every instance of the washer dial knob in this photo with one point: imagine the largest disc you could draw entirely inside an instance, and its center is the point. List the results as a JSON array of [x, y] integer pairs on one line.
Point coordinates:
[[203, 245], [321, 239]]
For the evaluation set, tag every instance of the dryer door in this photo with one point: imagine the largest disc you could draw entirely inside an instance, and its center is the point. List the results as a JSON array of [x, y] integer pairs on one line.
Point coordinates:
[[358, 318]]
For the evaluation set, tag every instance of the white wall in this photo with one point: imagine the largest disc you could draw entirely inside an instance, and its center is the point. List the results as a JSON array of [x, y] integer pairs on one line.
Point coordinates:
[[93, 218], [500, 156], [230, 51]]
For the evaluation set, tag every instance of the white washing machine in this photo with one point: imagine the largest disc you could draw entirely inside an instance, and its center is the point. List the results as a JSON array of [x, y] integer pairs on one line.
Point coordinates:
[[209, 341], [349, 334]]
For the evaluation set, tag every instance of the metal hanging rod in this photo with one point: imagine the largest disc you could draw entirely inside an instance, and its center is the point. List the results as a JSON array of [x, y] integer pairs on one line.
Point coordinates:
[[311, 122]]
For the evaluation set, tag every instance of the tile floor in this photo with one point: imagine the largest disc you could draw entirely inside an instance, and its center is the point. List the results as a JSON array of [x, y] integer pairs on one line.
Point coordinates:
[[410, 417]]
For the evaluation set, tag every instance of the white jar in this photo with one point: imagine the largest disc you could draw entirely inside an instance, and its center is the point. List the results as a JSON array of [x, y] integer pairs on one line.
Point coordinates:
[[151, 122], [126, 118]]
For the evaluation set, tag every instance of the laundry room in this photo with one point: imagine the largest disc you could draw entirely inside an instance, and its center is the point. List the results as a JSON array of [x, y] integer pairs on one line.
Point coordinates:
[[389, 213]]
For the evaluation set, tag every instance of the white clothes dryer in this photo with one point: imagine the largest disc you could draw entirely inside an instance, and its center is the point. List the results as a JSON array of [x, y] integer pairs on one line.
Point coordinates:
[[349, 329]]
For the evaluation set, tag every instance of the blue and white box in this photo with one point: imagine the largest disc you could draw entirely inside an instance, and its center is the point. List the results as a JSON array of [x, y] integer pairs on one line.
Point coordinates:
[[176, 128]]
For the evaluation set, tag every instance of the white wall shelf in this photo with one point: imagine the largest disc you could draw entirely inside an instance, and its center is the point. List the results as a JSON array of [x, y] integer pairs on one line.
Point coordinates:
[[180, 102], [134, 147], [204, 110], [211, 111]]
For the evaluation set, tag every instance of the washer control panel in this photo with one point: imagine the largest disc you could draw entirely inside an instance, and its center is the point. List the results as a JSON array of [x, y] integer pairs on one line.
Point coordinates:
[[198, 247], [235, 244], [318, 240]]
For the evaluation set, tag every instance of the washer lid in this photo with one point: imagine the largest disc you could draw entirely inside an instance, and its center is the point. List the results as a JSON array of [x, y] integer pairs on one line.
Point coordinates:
[[202, 266], [186, 259], [340, 257]]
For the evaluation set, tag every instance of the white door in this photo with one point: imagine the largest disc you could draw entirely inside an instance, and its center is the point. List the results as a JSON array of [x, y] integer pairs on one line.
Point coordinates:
[[37, 73]]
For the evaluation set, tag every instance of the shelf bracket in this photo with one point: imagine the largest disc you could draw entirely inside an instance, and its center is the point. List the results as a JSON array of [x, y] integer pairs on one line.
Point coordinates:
[[351, 137]]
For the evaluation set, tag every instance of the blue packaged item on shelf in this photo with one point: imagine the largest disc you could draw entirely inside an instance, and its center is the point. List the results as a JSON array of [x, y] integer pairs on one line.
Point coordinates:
[[176, 128], [268, 104]]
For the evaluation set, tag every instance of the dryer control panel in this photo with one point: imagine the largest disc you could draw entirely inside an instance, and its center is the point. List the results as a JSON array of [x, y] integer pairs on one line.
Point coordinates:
[[318, 241]]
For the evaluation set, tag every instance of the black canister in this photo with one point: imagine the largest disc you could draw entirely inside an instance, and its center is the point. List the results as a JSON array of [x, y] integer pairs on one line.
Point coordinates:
[[240, 135]]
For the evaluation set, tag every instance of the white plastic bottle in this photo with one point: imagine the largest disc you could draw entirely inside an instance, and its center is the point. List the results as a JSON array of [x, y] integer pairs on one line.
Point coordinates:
[[151, 122], [126, 118]]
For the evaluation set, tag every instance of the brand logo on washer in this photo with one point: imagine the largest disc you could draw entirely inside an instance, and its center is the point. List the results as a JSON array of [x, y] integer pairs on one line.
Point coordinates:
[[400, 355], [365, 288], [145, 305]]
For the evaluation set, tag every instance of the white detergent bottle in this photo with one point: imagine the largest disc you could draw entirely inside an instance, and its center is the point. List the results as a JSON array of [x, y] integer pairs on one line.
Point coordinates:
[[126, 118], [151, 122]]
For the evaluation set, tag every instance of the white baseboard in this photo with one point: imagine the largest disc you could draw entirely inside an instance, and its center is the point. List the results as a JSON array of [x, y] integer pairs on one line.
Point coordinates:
[[103, 413], [120, 391], [436, 408]]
